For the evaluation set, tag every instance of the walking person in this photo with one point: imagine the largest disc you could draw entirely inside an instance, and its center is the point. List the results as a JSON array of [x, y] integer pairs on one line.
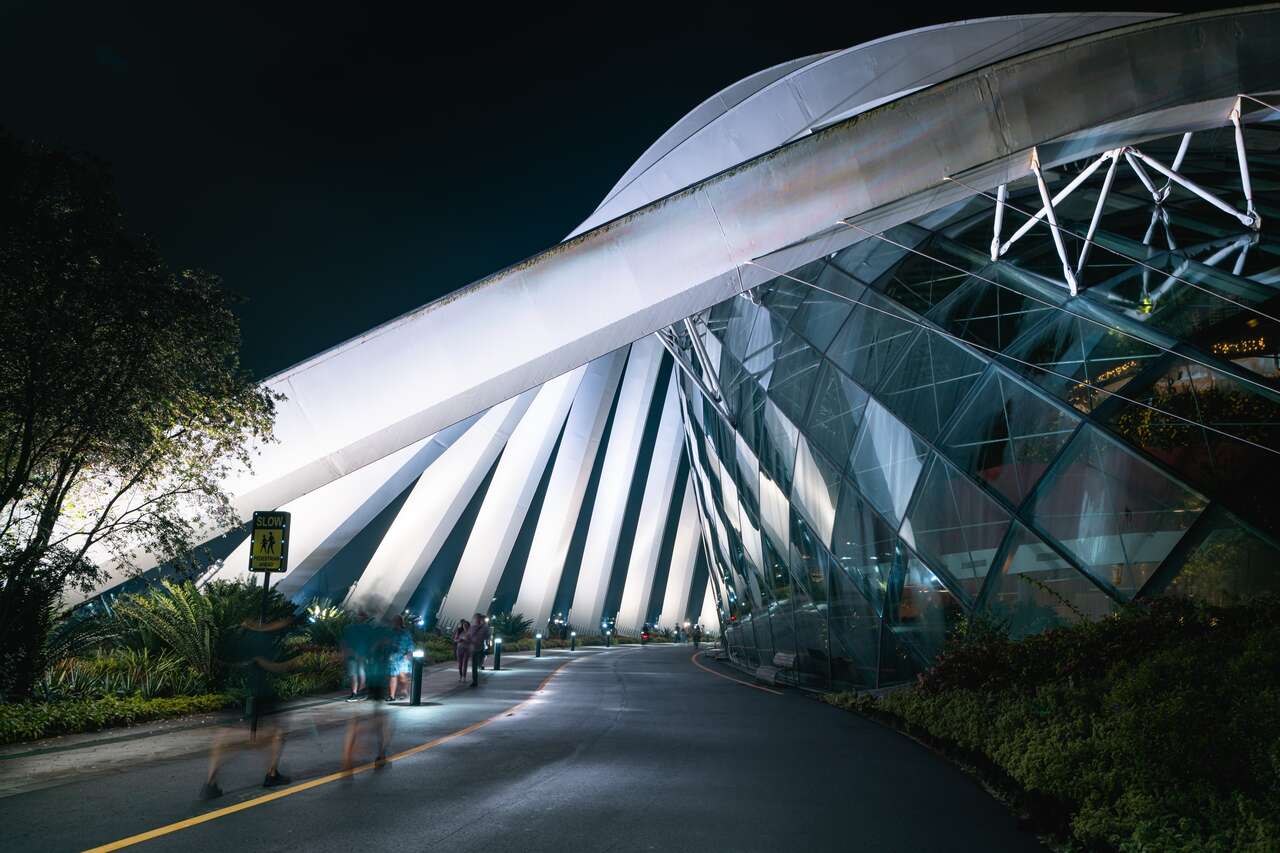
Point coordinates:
[[257, 648], [377, 660], [401, 660], [354, 650], [477, 636], [462, 647], [697, 636]]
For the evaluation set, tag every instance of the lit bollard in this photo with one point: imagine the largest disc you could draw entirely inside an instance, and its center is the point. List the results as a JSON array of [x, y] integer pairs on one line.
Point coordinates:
[[573, 641], [537, 645], [608, 639], [415, 691], [497, 653]]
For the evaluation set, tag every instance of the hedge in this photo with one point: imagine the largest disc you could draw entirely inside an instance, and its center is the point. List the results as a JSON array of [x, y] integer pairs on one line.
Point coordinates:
[[25, 721], [1156, 730]]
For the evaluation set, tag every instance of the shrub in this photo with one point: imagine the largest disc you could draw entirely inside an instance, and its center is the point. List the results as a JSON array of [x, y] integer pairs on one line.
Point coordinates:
[[510, 626], [326, 622], [176, 617], [1151, 730], [33, 720], [122, 672], [314, 670]]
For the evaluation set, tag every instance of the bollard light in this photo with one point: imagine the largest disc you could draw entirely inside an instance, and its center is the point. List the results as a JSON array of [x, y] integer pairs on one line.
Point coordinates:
[[497, 653], [573, 641], [415, 689], [537, 645]]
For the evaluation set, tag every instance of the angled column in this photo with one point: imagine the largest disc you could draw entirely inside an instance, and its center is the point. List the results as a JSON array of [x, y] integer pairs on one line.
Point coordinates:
[[325, 520], [431, 510], [653, 513], [710, 615], [683, 556], [507, 502], [569, 476], [615, 481]]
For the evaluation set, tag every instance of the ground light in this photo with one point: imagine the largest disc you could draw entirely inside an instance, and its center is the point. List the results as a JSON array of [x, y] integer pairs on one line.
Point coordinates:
[[415, 690], [497, 653], [537, 645], [573, 641]]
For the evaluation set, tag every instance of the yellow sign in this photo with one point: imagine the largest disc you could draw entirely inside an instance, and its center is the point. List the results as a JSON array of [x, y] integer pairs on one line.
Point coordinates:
[[269, 545]]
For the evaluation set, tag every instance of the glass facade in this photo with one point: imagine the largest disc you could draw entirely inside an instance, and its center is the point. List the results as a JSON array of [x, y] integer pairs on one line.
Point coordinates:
[[905, 431]]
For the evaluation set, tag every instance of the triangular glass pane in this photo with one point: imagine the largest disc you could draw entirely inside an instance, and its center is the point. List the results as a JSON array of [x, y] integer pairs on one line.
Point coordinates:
[[1229, 566], [871, 340], [1080, 361], [920, 611], [1116, 514], [1007, 436], [990, 312], [816, 489], [956, 527], [1034, 589], [863, 545], [820, 317], [854, 628], [929, 382], [794, 374], [886, 462], [836, 412]]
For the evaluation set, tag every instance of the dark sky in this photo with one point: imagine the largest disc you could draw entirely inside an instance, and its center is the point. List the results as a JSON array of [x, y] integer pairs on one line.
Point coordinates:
[[340, 166]]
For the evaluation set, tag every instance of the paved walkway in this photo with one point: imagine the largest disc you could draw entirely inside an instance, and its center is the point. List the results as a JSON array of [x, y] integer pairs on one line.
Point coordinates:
[[627, 749], [53, 761]]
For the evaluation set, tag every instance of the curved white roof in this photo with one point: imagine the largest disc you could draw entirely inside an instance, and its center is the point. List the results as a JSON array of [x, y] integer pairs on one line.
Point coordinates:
[[782, 103]]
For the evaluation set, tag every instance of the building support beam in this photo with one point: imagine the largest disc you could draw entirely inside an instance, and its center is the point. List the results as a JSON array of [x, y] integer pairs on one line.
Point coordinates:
[[563, 502], [520, 469], [658, 491]]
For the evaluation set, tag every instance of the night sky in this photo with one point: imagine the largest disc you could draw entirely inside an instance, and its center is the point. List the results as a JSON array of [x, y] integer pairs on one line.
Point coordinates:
[[338, 167]]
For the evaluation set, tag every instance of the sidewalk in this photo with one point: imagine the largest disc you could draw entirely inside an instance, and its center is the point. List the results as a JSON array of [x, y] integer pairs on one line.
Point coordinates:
[[46, 763]]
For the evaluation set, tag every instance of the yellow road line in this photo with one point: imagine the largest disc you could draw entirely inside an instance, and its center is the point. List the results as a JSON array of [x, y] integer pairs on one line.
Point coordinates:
[[315, 783], [694, 661]]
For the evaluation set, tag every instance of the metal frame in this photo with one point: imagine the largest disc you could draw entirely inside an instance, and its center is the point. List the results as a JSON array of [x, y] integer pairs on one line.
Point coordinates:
[[1139, 162]]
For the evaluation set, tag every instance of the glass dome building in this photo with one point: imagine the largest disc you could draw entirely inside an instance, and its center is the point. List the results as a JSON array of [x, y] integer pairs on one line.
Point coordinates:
[[979, 318]]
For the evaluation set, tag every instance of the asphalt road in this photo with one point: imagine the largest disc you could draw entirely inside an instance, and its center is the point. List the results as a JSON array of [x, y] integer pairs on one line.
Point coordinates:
[[622, 750]]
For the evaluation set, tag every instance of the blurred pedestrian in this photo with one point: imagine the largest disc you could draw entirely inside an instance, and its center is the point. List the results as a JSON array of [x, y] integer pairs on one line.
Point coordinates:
[[401, 660], [377, 659], [462, 647], [257, 649], [354, 649], [477, 637], [697, 636]]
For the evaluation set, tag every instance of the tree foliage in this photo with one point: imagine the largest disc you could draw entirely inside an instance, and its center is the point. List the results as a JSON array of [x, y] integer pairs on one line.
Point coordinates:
[[122, 403]]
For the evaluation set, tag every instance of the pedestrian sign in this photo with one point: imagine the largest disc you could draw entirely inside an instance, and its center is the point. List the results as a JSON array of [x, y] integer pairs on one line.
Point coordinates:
[[269, 546]]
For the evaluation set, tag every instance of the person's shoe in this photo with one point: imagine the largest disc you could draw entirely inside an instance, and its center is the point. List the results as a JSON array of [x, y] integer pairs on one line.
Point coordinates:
[[275, 780], [380, 762], [353, 698], [210, 791]]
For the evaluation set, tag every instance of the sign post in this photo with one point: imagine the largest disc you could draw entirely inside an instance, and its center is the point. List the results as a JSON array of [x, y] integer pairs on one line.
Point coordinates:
[[269, 550]]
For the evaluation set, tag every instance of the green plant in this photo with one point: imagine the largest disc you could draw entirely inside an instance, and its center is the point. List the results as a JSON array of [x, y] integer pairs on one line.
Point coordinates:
[[23, 721], [121, 672], [180, 618], [1151, 730], [326, 622], [510, 626], [235, 602]]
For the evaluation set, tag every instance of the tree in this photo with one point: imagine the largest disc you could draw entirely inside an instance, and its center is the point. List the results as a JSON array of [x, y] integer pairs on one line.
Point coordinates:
[[123, 406]]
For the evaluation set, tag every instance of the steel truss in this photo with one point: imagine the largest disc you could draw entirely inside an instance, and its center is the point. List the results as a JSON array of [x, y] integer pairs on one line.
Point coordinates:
[[1139, 162]]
